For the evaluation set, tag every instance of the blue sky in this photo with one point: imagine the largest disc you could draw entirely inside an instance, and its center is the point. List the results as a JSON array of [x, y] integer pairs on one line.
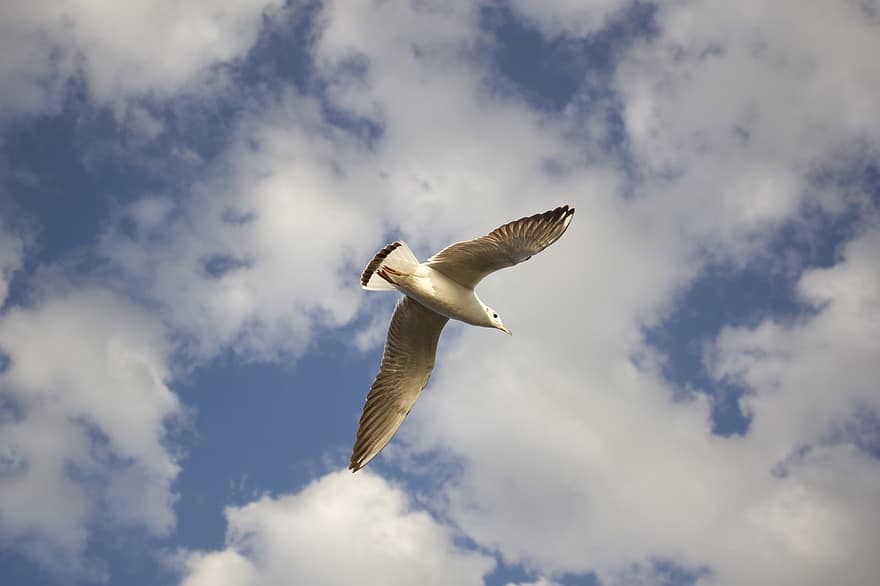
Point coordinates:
[[188, 194]]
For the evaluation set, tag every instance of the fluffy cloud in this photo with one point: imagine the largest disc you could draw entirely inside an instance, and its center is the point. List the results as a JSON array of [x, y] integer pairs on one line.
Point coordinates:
[[621, 469], [539, 582], [573, 453], [263, 250], [272, 243], [340, 529], [441, 127], [570, 17], [121, 52], [11, 254], [814, 400], [85, 405], [730, 109], [810, 378], [605, 468]]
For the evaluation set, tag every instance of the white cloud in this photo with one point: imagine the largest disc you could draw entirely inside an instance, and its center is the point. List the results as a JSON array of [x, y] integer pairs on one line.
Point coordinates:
[[592, 463], [731, 107], [11, 256], [811, 377], [138, 49], [82, 432], [570, 17], [573, 458], [539, 582], [265, 249], [288, 212], [340, 529], [576, 455]]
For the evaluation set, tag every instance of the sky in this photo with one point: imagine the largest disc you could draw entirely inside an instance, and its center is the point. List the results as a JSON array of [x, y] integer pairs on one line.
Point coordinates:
[[190, 190]]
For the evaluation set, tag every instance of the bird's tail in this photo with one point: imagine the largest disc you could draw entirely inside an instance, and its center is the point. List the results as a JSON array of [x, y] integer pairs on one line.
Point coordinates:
[[396, 259]]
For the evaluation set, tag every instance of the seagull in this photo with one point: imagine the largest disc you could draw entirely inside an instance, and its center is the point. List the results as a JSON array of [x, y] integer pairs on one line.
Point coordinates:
[[440, 289]]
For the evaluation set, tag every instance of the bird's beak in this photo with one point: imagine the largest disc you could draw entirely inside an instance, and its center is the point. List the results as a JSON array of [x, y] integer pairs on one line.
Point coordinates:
[[505, 330]]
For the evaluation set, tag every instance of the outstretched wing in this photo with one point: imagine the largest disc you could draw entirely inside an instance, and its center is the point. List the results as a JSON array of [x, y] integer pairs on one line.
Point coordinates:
[[469, 261], [407, 363]]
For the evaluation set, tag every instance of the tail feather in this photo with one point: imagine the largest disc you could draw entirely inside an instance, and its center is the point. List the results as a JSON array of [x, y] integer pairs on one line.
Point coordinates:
[[396, 259]]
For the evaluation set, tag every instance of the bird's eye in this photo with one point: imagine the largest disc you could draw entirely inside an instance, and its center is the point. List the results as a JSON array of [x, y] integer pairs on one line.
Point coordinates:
[[495, 315]]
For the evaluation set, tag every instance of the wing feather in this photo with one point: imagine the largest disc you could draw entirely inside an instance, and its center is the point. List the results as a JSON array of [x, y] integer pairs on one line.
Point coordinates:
[[410, 349], [468, 262]]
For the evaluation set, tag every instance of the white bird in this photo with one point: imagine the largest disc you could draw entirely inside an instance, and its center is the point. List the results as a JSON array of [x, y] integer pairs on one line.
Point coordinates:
[[435, 292]]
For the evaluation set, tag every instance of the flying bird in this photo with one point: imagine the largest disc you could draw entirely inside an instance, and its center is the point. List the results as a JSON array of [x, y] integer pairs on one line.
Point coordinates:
[[440, 289]]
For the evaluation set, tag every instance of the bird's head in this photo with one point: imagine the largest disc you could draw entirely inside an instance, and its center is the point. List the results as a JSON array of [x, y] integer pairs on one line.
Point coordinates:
[[495, 320]]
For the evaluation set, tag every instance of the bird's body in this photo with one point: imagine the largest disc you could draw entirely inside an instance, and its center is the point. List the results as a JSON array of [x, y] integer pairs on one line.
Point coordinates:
[[443, 295], [440, 289]]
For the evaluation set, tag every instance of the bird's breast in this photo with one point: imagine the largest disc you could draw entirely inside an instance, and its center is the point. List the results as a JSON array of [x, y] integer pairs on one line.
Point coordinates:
[[439, 293]]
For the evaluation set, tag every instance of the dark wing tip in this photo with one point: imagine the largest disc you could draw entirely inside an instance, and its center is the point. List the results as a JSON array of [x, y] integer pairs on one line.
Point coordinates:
[[357, 457], [568, 214], [357, 460], [554, 222], [360, 457], [549, 226], [561, 213], [360, 453], [560, 216]]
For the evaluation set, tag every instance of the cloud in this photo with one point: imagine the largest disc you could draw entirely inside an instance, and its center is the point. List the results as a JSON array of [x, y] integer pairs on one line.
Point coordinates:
[[729, 110], [570, 17], [340, 529], [85, 405], [160, 47], [11, 256], [573, 452], [812, 376], [621, 469], [539, 582], [812, 384], [270, 244], [263, 250]]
